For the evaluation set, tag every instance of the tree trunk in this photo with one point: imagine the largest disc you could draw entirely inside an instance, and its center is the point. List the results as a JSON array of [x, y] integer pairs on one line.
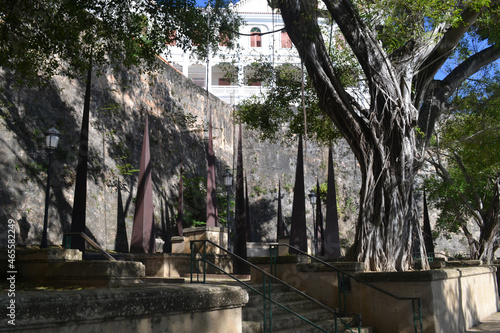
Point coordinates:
[[382, 136], [491, 228], [388, 218]]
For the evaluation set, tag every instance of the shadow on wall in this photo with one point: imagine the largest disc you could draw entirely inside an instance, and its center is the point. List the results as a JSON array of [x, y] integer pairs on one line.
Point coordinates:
[[119, 104], [263, 210]]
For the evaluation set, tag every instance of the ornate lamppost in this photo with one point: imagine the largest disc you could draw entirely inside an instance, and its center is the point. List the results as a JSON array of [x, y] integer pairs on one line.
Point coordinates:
[[51, 141], [312, 198], [228, 182]]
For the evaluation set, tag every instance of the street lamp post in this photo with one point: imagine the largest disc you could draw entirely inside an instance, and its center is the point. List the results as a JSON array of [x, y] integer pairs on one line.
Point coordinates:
[[228, 182], [51, 141], [312, 198]]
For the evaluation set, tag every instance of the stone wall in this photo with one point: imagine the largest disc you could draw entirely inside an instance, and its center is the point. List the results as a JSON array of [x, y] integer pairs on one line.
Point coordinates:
[[268, 163], [177, 111]]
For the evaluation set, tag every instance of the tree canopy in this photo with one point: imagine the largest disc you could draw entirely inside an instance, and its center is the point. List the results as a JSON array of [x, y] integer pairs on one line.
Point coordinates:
[[467, 179], [399, 47], [41, 38]]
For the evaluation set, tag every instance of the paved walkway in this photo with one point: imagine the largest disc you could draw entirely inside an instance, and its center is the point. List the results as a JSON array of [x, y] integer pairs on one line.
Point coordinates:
[[490, 324]]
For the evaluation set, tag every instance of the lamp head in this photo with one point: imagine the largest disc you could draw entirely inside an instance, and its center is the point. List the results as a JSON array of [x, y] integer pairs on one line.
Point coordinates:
[[51, 138], [228, 178], [312, 197]]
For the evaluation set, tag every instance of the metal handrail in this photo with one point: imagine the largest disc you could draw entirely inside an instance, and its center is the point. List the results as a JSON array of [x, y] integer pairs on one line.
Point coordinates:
[[414, 300], [90, 241], [263, 293]]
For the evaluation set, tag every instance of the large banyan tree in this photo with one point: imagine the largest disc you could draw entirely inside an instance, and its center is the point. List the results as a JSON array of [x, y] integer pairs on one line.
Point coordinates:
[[400, 46]]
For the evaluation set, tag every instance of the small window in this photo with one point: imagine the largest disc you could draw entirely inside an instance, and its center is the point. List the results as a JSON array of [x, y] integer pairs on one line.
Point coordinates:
[[255, 38], [286, 42]]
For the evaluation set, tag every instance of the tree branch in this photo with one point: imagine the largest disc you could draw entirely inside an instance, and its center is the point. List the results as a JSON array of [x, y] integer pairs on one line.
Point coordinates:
[[494, 209], [442, 50], [439, 92], [369, 52], [469, 67], [467, 178], [440, 169]]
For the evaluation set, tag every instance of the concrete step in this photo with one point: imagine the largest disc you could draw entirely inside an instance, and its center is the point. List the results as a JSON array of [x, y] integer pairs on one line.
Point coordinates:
[[327, 325], [258, 300], [283, 320], [287, 320], [256, 312]]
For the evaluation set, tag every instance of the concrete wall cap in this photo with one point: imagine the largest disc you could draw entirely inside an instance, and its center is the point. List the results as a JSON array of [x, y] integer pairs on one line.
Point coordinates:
[[178, 238], [470, 271], [80, 306], [95, 268], [430, 275], [48, 254], [342, 266], [201, 229]]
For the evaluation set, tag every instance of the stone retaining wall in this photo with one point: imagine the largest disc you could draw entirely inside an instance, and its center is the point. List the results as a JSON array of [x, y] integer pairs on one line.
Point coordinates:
[[177, 110], [166, 309]]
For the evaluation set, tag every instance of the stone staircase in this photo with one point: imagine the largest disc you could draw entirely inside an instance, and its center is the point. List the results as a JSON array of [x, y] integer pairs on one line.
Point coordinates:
[[284, 321]]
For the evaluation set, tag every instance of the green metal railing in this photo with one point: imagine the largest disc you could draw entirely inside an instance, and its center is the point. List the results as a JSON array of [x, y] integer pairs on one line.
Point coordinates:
[[198, 268], [416, 301]]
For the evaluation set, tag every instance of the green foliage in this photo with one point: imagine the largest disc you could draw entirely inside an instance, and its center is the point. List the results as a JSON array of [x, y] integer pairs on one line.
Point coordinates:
[[39, 39], [122, 154], [345, 210], [400, 21], [195, 196], [126, 169], [323, 191], [222, 208], [278, 113], [34, 168], [469, 142], [259, 190]]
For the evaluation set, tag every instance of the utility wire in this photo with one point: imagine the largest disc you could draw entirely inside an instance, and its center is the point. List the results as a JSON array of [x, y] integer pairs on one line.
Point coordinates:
[[258, 33]]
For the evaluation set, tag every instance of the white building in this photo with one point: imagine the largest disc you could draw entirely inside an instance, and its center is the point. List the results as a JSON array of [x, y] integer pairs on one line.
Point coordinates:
[[275, 48]]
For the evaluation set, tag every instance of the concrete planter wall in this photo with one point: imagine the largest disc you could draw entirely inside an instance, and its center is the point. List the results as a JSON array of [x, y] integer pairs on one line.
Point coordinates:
[[453, 299], [166, 309]]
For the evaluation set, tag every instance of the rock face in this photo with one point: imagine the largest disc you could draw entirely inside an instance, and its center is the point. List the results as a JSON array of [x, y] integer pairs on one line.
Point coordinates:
[[177, 110]]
